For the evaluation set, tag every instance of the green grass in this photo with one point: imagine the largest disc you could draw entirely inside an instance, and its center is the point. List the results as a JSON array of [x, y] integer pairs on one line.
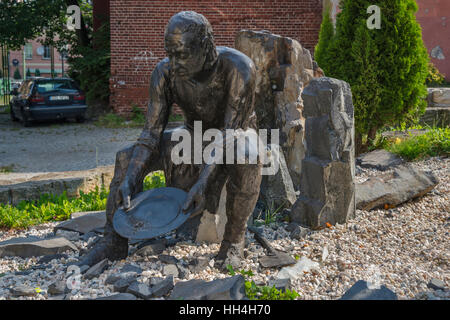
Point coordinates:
[[176, 117], [271, 214], [7, 169], [434, 142], [255, 292], [60, 207]]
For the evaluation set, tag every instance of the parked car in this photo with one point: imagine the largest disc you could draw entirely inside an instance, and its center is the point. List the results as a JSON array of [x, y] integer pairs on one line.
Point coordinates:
[[47, 99]]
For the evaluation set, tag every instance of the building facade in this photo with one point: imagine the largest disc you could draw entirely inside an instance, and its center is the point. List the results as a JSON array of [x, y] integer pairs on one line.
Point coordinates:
[[137, 33], [37, 57]]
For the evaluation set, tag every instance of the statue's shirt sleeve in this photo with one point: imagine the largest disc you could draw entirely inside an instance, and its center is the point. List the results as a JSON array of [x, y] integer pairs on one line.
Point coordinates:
[[158, 110]]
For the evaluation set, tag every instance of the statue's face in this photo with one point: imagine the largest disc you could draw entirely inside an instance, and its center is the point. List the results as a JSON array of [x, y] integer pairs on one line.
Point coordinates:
[[186, 55]]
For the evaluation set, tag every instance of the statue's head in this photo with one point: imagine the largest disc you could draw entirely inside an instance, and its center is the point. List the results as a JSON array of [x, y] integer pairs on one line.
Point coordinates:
[[189, 43]]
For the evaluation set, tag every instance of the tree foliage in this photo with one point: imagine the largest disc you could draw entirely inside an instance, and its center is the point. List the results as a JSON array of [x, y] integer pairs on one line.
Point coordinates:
[[87, 51], [385, 67]]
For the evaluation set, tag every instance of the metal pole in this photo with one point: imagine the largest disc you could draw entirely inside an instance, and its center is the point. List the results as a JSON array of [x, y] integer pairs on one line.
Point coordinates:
[[24, 63]]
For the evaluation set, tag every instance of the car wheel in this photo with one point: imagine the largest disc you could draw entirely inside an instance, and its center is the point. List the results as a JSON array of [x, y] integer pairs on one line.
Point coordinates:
[[80, 119], [25, 121], [13, 116]]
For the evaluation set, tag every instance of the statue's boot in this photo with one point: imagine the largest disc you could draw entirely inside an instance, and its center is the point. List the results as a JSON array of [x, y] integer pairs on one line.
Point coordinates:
[[242, 194], [112, 246]]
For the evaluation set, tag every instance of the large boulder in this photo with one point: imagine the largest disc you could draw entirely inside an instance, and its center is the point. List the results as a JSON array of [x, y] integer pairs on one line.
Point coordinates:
[[284, 67], [394, 188], [277, 190], [379, 160], [327, 188]]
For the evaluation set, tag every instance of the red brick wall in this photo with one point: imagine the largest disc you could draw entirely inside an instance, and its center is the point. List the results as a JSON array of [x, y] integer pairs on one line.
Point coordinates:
[[434, 18], [137, 34]]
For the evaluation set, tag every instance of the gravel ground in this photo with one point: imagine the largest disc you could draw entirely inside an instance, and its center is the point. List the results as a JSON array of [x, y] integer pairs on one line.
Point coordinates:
[[60, 146], [402, 248]]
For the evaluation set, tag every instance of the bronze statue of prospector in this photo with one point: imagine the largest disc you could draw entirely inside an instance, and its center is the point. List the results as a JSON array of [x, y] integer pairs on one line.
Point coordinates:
[[215, 85]]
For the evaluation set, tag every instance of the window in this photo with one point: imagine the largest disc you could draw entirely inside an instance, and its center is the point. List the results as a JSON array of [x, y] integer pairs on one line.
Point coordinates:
[[28, 51], [53, 85], [47, 52]]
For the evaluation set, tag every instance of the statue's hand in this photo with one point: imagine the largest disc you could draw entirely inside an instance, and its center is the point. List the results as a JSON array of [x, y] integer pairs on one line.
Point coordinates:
[[124, 194], [196, 200]]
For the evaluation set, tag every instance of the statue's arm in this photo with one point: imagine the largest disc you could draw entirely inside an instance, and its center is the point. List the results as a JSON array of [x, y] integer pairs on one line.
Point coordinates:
[[146, 149], [238, 109]]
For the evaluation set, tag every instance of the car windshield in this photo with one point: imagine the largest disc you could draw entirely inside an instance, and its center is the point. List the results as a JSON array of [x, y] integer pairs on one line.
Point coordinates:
[[53, 85]]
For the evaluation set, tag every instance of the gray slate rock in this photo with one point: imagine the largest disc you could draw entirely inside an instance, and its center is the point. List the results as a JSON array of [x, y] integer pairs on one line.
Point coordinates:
[[277, 260], [327, 184], [280, 284], [198, 264], [183, 271], [113, 278], [140, 290], [277, 189], [119, 296], [58, 288], [122, 284], [222, 289], [297, 231], [379, 160], [360, 291], [50, 257], [436, 284], [83, 222], [96, 269], [170, 270], [23, 290], [404, 184], [69, 235], [131, 268], [163, 287], [164, 258], [151, 250], [31, 247]]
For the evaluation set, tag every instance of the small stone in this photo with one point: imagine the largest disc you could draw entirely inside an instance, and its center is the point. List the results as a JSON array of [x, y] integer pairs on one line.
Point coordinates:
[[360, 291], [280, 259], [163, 287], [170, 269], [122, 284], [164, 258], [280, 284], [299, 232], [119, 296], [113, 278], [96, 270], [155, 280], [436, 284], [131, 268], [183, 272], [50, 257], [23, 290], [140, 290], [222, 289], [57, 288], [198, 264], [151, 250]]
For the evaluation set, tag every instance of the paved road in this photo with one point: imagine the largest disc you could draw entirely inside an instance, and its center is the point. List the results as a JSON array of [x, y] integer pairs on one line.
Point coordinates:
[[60, 146]]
